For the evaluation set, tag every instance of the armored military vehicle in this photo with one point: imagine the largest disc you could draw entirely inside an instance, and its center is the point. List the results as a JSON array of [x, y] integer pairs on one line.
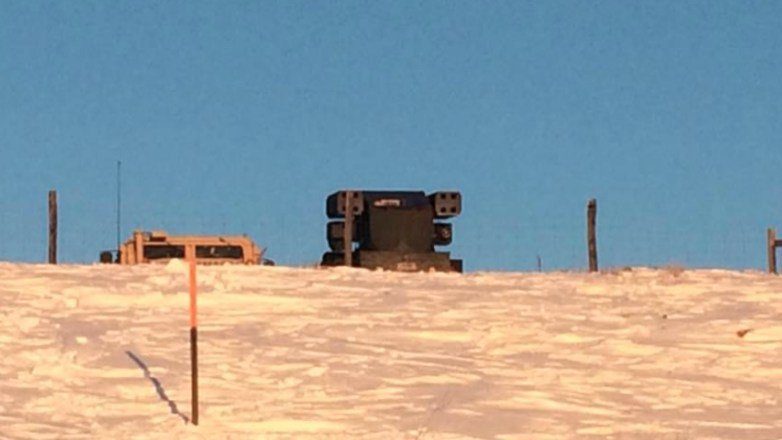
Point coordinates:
[[158, 246], [393, 230]]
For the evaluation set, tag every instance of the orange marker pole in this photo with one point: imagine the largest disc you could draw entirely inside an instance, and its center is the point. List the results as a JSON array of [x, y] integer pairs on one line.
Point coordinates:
[[193, 344]]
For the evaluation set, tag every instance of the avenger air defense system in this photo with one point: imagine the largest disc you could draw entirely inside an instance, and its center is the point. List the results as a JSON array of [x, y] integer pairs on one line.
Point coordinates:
[[392, 230]]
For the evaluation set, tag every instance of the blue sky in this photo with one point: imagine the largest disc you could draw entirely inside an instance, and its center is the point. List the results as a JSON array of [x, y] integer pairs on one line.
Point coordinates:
[[242, 116]]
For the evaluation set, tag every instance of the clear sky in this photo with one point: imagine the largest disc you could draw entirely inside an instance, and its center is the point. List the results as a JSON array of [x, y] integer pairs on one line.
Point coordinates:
[[241, 117]]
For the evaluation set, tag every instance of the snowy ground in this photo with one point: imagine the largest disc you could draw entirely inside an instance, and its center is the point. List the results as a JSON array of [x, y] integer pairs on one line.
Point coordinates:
[[102, 352]]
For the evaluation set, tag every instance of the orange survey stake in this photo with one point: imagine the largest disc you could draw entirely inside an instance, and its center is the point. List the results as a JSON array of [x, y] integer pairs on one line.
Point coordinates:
[[193, 345], [193, 303]]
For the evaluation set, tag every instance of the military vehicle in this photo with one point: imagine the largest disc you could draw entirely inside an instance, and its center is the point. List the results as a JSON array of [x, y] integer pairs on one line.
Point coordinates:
[[394, 230], [158, 246]]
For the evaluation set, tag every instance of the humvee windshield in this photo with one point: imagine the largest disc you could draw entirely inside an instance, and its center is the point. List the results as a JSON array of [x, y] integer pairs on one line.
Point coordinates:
[[232, 252], [157, 252]]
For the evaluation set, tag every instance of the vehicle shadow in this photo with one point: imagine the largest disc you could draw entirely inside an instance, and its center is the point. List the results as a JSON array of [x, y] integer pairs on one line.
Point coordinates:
[[158, 387]]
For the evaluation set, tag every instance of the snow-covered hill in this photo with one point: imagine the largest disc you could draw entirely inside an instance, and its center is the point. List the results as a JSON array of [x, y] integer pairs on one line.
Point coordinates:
[[102, 352]]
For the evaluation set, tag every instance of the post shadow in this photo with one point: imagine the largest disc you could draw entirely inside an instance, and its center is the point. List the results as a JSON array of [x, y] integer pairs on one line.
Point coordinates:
[[158, 387]]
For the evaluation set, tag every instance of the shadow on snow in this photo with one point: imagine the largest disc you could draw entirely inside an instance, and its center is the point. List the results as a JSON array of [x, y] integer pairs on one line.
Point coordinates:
[[158, 387]]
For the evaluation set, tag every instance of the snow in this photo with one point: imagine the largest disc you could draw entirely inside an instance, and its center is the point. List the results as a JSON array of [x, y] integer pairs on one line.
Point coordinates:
[[102, 352]]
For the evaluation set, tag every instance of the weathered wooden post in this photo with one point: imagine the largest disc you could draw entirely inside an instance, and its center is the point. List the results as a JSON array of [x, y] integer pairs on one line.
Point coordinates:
[[119, 205], [348, 233], [592, 234], [52, 227], [771, 236]]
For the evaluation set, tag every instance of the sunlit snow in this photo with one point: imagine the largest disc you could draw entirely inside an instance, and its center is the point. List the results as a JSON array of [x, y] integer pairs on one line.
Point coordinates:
[[102, 352]]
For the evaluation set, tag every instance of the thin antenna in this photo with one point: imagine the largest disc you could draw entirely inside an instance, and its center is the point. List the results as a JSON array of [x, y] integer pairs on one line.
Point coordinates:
[[119, 203]]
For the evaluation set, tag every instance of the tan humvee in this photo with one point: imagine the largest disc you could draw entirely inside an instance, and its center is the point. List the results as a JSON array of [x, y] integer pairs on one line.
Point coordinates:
[[158, 246]]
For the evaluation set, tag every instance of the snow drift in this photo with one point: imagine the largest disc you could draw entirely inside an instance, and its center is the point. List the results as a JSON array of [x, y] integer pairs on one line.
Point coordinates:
[[102, 352]]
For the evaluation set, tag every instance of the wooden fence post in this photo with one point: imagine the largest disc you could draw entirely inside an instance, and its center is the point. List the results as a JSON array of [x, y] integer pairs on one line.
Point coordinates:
[[771, 243], [591, 234], [52, 227], [348, 233]]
